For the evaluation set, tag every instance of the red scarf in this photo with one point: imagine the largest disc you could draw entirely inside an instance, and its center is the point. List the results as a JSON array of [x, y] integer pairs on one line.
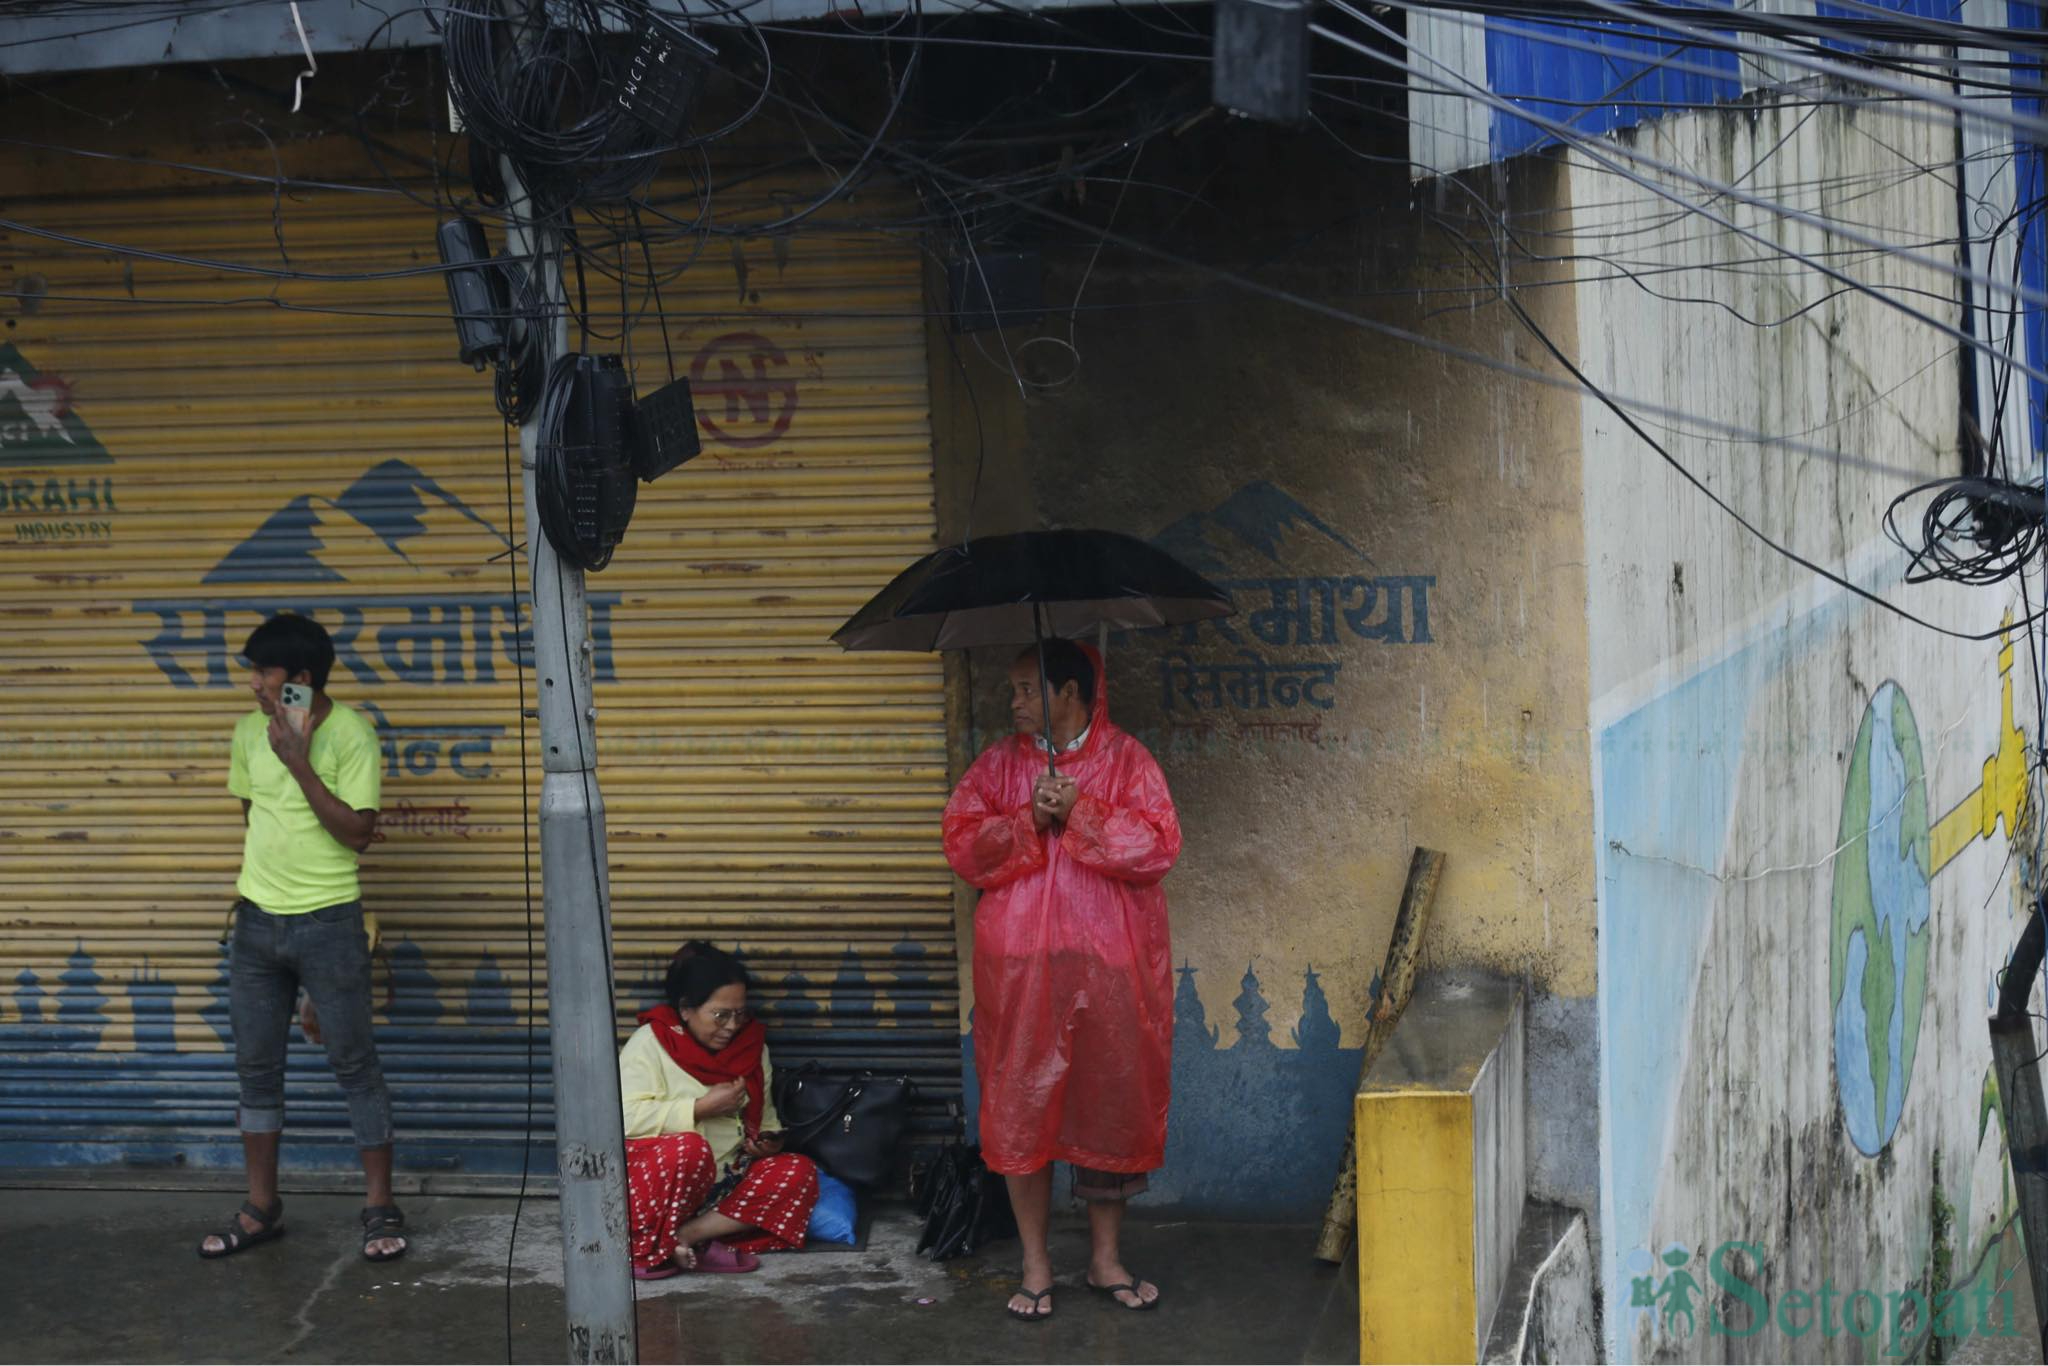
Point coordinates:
[[740, 1058]]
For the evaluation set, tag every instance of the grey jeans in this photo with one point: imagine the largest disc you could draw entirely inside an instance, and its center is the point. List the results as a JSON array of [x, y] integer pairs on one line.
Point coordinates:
[[327, 952]]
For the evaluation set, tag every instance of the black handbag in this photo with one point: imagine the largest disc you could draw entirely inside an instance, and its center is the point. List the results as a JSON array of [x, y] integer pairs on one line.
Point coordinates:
[[965, 1206], [847, 1124]]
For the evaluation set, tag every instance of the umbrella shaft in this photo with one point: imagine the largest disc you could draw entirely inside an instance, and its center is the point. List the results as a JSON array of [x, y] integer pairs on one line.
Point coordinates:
[[1044, 691]]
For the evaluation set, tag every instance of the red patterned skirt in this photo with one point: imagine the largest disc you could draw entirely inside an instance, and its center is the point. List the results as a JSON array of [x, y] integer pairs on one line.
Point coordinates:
[[670, 1177]]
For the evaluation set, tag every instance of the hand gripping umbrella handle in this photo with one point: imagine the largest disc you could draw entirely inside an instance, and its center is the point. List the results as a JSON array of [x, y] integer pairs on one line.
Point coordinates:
[[1044, 692]]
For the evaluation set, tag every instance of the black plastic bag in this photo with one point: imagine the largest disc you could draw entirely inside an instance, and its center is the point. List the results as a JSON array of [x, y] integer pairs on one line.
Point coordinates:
[[965, 1206]]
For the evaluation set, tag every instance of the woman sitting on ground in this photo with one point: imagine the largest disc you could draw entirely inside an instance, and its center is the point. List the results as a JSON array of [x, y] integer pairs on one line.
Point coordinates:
[[710, 1184]]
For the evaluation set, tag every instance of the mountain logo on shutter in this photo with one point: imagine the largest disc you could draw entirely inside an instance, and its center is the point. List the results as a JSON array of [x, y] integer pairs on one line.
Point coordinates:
[[389, 506], [358, 562], [38, 429]]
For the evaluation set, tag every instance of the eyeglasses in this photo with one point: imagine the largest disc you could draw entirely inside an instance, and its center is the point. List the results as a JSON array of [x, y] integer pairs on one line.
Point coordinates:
[[722, 1018]]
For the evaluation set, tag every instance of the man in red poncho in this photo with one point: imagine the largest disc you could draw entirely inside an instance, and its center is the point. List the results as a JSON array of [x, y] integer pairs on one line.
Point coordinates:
[[1073, 1017]]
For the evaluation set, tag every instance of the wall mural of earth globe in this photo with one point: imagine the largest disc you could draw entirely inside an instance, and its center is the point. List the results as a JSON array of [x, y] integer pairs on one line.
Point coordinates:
[[1877, 962]]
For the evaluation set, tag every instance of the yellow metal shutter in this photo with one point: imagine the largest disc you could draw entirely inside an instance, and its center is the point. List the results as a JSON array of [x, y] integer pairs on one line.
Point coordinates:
[[175, 470]]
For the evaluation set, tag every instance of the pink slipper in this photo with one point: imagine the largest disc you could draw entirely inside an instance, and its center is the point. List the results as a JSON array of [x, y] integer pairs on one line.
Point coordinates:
[[656, 1273], [720, 1259]]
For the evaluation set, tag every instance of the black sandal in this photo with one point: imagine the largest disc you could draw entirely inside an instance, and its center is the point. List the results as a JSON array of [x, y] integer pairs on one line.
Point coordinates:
[[1130, 1286], [380, 1222], [1037, 1297], [234, 1238]]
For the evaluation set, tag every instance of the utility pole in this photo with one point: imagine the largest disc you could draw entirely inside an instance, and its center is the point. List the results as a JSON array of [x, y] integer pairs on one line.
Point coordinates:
[[590, 1131], [2021, 1111]]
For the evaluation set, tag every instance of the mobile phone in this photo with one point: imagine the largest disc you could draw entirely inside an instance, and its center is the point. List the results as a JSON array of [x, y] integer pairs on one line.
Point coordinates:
[[297, 701]]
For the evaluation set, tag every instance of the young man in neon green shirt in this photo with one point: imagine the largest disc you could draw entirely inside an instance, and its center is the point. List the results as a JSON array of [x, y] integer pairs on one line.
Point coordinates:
[[309, 805]]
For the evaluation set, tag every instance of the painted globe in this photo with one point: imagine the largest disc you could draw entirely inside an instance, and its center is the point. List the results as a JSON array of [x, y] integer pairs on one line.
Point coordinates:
[[1877, 962]]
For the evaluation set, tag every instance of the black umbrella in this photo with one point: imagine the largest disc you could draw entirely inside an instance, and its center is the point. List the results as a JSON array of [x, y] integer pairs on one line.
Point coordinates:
[[1006, 590]]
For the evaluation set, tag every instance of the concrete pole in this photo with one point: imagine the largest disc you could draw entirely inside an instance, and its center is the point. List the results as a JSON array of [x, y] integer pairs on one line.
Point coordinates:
[[590, 1133], [2017, 1058]]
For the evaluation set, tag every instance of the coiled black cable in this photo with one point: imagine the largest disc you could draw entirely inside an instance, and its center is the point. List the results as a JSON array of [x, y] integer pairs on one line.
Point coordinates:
[[1977, 531], [553, 479], [582, 471], [550, 94], [522, 366]]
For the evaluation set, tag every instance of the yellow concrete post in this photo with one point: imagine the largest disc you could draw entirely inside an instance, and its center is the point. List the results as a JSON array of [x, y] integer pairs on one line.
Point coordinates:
[[1415, 1254]]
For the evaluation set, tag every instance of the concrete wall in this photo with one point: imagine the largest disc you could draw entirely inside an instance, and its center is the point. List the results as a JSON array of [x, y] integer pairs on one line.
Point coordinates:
[[1549, 1310], [1807, 870], [1500, 1168], [1342, 484]]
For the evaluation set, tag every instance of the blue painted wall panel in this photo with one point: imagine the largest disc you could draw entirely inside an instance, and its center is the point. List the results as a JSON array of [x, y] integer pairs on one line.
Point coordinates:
[[1537, 67], [1546, 69]]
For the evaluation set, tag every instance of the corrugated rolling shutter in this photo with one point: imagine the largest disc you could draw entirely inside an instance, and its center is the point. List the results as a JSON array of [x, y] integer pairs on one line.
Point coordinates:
[[174, 472]]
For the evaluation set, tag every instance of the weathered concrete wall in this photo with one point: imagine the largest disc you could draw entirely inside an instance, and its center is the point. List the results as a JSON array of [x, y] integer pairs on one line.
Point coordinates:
[[1500, 1186], [1401, 533], [1549, 1309], [1796, 934]]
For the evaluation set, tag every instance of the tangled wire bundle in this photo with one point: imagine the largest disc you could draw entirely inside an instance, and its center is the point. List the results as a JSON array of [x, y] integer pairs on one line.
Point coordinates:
[[1974, 530], [570, 94]]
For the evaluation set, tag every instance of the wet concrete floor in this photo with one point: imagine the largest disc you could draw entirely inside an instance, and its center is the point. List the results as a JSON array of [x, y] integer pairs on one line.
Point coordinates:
[[104, 1275]]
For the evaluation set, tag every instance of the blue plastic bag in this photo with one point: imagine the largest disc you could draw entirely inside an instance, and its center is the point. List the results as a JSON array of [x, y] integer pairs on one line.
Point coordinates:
[[832, 1218]]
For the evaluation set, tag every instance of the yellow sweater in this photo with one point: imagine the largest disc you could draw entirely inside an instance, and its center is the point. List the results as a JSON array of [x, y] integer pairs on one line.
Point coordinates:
[[661, 1098]]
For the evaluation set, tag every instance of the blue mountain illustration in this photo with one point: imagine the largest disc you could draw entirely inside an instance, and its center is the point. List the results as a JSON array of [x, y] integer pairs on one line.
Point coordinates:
[[1259, 515], [388, 501]]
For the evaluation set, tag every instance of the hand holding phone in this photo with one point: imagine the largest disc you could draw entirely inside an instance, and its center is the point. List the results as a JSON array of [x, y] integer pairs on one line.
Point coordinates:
[[296, 701]]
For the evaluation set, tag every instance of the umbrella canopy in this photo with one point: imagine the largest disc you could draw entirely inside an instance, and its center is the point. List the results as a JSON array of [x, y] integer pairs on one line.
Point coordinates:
[[1012, 590]]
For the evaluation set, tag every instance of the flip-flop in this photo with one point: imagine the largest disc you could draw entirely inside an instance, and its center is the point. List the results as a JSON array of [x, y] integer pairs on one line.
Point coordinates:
[[719, 1259], [1132, 1287], [1037, 1298]]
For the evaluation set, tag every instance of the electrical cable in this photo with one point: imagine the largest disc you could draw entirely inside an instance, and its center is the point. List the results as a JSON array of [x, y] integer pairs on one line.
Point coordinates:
[[172, 13], [526, 868], [1581, 382], [1721, 24], [664, 310], [654, 284], [1580, 142], [275, 182], [547, 93], [1557, 353], [1323, 308], [1599, 157], [1977, 531]]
